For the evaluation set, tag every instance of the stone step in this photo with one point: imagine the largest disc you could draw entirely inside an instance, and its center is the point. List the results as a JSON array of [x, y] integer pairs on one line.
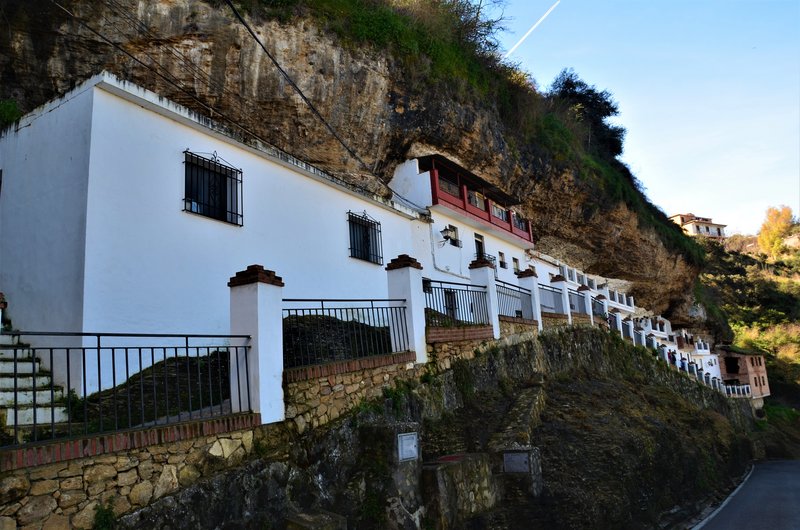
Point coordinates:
[[7, 352], [44, 415], [25, 396], [24, 366], [24, 382]]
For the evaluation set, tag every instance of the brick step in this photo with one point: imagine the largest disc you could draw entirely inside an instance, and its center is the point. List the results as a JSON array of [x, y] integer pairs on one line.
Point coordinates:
[[44, 415], [25, 396]]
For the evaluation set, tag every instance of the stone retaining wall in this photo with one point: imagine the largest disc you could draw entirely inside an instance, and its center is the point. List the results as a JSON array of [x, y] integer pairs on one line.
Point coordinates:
[[315, 401], [65, 494], [581, 319], [458, 334], [553, 320], [515, 326]]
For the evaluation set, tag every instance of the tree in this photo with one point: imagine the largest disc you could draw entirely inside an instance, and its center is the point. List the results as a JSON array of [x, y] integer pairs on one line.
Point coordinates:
[[777, 225], [592, 107]]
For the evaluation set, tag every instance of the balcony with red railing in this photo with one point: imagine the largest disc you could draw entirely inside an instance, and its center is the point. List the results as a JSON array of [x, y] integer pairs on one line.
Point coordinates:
[[468, 194]]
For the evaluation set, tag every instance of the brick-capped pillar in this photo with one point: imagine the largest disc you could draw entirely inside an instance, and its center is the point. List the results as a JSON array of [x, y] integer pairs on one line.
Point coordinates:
[[404, 275], [481, 272], [586, 295], [529, 280], [559, 282], [255, 310]]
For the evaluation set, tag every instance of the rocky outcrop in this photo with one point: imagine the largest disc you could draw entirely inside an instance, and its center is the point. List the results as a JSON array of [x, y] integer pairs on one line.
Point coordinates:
[[195, 53]]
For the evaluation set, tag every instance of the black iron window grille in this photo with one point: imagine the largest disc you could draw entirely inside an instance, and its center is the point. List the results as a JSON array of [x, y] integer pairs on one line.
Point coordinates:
[[212, 189], [365, 238]]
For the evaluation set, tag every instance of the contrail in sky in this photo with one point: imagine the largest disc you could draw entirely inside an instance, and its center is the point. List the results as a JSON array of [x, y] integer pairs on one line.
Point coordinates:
[[520, 41]]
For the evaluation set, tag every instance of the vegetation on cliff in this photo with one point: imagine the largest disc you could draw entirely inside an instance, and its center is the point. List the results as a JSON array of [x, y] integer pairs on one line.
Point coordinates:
[[450, 46], [759, 298]]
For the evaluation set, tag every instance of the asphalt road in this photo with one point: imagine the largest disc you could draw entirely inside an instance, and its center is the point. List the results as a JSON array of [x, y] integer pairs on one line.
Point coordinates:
[[769, 500]]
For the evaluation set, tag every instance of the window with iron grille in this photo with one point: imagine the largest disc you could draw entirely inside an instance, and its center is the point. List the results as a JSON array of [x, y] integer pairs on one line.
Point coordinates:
[[365, 238], [212, 189]]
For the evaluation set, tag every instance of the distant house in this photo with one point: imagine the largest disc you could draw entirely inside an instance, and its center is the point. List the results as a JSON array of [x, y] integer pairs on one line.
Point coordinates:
[[699, 226], [792, 241], [744, 374]]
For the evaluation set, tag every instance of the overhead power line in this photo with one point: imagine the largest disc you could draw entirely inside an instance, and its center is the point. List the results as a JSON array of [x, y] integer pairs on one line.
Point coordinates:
[[164, 73], [295, 87]]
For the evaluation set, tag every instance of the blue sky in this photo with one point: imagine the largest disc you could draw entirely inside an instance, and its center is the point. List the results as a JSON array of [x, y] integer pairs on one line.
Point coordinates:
[[708, 90]]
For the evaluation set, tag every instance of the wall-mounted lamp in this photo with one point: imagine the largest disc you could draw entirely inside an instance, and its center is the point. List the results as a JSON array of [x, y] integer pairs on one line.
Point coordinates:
[[448, 233]]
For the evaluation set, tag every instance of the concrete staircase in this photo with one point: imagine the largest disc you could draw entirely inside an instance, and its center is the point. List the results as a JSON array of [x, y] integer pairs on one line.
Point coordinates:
[[27, 392]]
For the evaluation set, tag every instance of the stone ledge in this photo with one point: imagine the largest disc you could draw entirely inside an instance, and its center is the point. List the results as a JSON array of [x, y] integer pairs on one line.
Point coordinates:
[[518, 320], [72, 448], [433, 334], [304, 373]]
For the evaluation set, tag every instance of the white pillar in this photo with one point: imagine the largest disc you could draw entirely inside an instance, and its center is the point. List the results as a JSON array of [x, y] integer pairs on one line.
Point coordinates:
[[618, 316], [481, 272], [256, 310], [586, 294], [404, 275], [564, 295], [529, 280]]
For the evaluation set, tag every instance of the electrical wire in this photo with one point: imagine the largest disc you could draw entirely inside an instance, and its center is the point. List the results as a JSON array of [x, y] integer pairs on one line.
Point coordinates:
[[173, 81], [296, 88]]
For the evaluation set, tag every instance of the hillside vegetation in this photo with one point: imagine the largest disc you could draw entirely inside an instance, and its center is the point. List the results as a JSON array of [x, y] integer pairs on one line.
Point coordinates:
[[760, 299], [450, 45]]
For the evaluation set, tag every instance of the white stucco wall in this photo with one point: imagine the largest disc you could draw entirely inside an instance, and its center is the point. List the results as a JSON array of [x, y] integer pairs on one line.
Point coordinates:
[[444, 261], [45, 163], [155, 268]]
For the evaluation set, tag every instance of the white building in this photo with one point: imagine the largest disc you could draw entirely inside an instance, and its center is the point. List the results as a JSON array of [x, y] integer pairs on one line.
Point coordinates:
[[699, 226], [121, 211]]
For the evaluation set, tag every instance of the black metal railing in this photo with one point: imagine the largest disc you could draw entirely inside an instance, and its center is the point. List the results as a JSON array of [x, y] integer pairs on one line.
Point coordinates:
[[322, 331], [612, 322], [484, 256], [597, 307], [513, 300], [90, 383], [626, 330], [576, 302], [550, 299], [449, 304]]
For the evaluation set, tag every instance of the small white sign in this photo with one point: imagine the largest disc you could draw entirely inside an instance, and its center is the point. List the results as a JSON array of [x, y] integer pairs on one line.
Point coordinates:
[[407, 446]]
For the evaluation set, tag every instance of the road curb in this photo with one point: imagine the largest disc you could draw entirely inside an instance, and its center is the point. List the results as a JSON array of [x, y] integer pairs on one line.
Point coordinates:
[[702, 523]]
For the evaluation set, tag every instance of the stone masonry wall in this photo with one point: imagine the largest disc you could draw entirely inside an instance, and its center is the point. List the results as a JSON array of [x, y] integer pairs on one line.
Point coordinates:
[[443, 354], [315, 401], [581, 319], [515, 326], [553, 320], [64, 495]]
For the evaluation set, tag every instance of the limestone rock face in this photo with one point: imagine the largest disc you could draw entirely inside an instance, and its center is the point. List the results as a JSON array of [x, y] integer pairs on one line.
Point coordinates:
[[365, 94]]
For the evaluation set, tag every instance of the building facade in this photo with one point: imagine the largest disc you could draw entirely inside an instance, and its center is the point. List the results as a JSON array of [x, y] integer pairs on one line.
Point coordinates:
[[699, 226]]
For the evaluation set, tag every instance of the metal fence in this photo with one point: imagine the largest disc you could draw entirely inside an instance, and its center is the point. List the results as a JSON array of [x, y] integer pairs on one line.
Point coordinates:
[[450, 304], [90, 383], [551, 301], [513, 301], [626, 330], [322, 331], [576, 303], [597, 307]]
